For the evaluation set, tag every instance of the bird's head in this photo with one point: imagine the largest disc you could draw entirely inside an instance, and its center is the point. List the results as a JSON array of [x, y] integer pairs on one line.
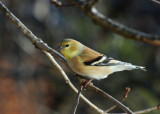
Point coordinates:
[[70, 48]]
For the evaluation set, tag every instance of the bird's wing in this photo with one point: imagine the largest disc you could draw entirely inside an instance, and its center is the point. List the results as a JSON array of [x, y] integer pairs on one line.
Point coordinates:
[[89, 55], [93, 58], [103, 61], [115, 65]]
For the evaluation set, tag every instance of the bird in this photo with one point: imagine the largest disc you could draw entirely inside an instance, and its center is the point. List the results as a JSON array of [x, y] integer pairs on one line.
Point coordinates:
[[89, 63]]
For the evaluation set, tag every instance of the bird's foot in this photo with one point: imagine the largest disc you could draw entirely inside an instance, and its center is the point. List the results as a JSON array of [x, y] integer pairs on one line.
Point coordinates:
[[86, 82], [83, 82]]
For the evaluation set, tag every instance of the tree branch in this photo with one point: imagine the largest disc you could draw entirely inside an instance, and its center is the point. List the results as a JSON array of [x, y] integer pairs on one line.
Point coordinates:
[[105, 95], [148, 110], [124, 97], [110, 98], [116, 27], [37, 42], [77, 100]]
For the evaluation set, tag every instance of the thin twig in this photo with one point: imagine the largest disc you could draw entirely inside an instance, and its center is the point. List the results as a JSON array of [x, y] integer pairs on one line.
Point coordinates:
[[148, 110], [124, 97], [110, 98], [105, 95], [77, 100]]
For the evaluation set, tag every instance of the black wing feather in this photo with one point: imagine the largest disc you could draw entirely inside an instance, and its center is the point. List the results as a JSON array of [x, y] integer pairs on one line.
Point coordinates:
[[100, 61], [92, 61]]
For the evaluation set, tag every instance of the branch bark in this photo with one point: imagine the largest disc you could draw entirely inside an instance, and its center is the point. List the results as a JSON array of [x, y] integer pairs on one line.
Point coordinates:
[[116, 27], [124, 97], [148, 110], [37, 42], [77, 100], [110, 98]]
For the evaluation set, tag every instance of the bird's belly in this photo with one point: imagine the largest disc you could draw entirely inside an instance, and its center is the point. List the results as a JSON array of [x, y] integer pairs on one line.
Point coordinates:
[[98, 73], [94, 72]]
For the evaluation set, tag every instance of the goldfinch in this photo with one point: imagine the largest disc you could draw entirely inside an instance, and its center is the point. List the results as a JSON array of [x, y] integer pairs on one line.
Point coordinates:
[[89, 63]]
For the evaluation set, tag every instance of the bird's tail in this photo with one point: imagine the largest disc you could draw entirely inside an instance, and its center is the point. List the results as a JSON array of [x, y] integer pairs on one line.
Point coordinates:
[[120, 66], [141, 68]]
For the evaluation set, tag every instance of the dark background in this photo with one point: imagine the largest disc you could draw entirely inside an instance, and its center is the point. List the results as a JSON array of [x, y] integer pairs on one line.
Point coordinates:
[[30, 84]]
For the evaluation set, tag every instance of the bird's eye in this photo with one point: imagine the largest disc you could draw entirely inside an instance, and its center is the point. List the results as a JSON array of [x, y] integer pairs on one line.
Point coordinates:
[[67, 45]]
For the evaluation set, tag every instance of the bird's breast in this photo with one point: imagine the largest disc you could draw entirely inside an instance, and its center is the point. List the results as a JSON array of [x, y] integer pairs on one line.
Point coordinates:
[[94, 72]]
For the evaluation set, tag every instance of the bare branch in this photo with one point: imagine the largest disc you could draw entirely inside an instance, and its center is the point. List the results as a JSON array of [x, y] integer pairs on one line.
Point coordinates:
[[77, 100], [124, 97], [105, 95], [36, 41], [148, 110], [110, 98], [118, 28]]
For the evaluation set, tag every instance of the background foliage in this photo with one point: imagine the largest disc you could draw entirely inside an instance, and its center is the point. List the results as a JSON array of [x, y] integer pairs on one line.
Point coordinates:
[[29, 84]]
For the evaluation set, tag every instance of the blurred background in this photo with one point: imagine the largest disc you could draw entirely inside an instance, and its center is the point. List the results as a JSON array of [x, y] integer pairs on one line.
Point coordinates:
[[30, 84]]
